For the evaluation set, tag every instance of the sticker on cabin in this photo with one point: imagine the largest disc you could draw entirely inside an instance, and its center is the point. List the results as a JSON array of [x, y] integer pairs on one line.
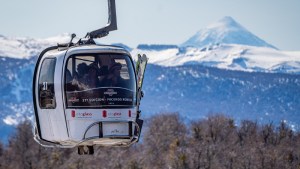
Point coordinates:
[[117, 99], [114, 115], [110, 92], [73, 100], [81, 114]]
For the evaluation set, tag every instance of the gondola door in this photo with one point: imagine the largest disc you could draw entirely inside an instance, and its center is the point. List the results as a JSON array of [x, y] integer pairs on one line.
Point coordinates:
[[46, 100], [50, 117]]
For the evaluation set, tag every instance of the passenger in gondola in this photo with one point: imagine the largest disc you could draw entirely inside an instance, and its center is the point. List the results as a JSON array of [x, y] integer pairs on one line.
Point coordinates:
[[114, 79], [92, 76], [70, 82], [87, 77], [87, 85], [89, 80], [75, 82], [82, 69]]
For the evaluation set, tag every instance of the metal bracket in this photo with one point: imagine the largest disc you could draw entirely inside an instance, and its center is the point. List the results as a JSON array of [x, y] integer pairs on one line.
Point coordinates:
[[111, 25], [132, 138]]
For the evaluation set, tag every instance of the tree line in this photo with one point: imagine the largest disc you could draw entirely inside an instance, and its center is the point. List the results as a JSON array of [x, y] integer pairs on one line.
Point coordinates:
[[169, 142]]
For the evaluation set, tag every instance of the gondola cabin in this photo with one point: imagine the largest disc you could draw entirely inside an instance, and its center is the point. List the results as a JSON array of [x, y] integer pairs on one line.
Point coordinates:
[[87, 95]]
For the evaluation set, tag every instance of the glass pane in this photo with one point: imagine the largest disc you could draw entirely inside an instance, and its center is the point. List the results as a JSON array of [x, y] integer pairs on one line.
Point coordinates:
[[46, 84], [100, 80]]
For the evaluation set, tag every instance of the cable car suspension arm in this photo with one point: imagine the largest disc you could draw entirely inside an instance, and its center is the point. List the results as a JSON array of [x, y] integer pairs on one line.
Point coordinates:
[[111, 25]]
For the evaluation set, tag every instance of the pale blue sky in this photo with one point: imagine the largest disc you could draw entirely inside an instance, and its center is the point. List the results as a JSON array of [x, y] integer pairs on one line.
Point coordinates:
[[151, 21]]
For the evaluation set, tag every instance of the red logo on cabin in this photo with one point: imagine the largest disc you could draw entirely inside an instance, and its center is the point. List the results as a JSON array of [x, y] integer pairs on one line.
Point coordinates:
[[114, 114], [73, 113], [81, 115], [85, 114], [73, 100], [117, 114]]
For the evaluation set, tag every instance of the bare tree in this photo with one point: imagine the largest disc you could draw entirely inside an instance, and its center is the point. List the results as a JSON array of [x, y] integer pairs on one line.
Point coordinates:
[[169, 142], [163, 132]]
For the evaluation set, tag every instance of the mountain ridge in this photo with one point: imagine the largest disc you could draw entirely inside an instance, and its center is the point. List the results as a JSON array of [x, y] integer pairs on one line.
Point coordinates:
[[214, 53], [227, 31]]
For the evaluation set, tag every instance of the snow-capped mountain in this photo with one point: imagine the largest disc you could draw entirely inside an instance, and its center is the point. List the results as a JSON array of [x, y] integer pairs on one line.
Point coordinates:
[[225, 45], [224, 56], [227, 31]]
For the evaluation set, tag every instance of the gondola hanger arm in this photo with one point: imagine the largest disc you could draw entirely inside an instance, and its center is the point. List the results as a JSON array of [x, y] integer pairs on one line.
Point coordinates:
[[111, 25]]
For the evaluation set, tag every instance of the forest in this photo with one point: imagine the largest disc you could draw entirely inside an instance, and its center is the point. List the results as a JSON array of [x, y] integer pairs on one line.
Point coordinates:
[[169, 141]]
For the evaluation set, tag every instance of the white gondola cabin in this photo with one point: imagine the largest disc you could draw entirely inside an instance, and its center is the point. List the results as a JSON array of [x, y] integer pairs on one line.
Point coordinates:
[[87, 94]]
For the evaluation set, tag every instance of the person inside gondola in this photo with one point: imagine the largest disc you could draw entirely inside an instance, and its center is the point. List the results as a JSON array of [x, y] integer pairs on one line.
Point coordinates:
[[114, 79], [92, 76], [87, 77], [82, 70], [70, 85]]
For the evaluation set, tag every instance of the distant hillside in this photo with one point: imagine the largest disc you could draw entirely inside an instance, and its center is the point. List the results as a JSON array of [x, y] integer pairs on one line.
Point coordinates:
[[199, 91]]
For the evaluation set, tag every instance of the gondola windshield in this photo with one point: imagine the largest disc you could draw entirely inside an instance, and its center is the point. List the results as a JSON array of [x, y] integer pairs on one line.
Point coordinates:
[[99, 80]]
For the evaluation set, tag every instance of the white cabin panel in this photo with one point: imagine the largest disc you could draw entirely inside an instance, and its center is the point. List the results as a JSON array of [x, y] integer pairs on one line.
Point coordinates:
[[92, 132], [80, 119], [58, 118], [45, 125], [78, 128], [110, 129], [126, 114]]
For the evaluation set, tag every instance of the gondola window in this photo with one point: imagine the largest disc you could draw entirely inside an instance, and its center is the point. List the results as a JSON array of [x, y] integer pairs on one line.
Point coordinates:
[[46, 84], [95, 81]]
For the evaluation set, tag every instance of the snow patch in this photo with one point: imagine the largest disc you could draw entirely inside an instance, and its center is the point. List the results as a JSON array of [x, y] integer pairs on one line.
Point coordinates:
[[24, 48], [10, 120]]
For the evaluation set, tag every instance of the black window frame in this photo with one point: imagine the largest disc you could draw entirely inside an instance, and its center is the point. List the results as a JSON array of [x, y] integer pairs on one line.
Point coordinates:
[[106, 106]]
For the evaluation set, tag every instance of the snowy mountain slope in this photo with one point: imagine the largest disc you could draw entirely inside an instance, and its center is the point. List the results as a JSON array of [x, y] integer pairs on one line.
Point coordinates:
[[28, 47], [227, 31], [226, 45], [227, 56], [194, 91]]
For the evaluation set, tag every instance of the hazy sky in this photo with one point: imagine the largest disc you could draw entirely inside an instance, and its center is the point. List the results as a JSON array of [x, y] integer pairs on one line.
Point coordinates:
[[151, 21]]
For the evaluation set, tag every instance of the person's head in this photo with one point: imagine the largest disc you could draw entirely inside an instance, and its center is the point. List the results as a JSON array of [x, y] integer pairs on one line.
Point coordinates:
[[93, 70], [115, 69], [82, 69]]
